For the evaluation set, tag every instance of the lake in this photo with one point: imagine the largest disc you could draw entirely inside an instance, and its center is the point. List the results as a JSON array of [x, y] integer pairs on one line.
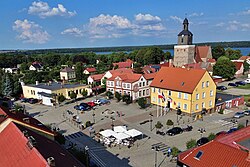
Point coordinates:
[[244, 51]]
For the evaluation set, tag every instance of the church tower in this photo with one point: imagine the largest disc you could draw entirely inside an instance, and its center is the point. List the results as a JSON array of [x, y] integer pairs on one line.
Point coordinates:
[[184, 51]]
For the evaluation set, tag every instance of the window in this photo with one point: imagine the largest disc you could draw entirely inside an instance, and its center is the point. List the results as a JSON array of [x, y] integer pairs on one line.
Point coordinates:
[[197, 96], [108, 83], [203, 95], [111, 84], [139, 93], [198, 155], [185, 106], [159, 100], [143, 83], [117, 83], [159, 90], [76, 91], [124, 85], [128, 85], [153, 90], [207, 84], [147, 91], [169, 93], [203, 84], [211, 93], [140, 84], [185, 96], [153, 99], [203, 105], [178, 104], [197, 106], [179, 95], [143, 92], [210, 103]]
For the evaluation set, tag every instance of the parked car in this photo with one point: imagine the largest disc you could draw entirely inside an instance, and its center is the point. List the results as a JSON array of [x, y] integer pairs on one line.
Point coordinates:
[[247, 81], [104, 101], [188, 128], [85, 105], [91, 104], [247, 112], [239, 114], [221, 87], [33, 101], [240, 83], [24, 100], [174, 131], [232, 84], [160, 133], [97, 102], [232, 130], [81, 108], [202, 141]]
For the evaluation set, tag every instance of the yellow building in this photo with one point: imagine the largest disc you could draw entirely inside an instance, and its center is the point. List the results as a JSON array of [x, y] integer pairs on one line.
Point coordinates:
[[191, 90], [47, 91]]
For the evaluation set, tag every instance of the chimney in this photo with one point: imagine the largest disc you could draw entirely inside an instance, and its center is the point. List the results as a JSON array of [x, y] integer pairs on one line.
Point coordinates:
[[51, 161], [37, 82]]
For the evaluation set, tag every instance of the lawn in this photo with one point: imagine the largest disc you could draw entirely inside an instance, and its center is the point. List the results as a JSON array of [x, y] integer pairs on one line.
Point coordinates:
[[247, 86], [247, 98]]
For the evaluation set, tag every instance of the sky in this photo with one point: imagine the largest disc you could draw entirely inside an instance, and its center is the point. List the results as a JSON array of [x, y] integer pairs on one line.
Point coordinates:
[[37, 24]]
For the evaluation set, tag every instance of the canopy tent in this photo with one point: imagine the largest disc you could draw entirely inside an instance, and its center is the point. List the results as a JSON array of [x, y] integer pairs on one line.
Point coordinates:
[[133, 132], [120, 129], [108, 133], [121, 136]]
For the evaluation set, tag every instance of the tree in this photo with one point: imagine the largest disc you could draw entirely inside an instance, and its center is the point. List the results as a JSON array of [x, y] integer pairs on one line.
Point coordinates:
[[191, 144], [211, 136], [84, 93], [224, 67], [138, 70], [218, 51], [169, 122], [240, 126], [175, 151], [167, 55], [72, 95], [126, 98], [109, 94], [154, 55], [142, 102], [7, 85], [158, 125], [61, 98], [118, 96], [233, 54], [246, 66], [79, 71], [104, 83], [24, 67]]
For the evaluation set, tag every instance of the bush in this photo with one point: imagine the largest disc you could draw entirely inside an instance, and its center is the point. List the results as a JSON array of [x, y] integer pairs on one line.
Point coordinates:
[[175, 151], [191, 144], [118, 96], [211, 136], [109, 94], [221, 111], [158, 125], [142, 102], [88, 124], [61, 98], [170, 122], [240, 126]]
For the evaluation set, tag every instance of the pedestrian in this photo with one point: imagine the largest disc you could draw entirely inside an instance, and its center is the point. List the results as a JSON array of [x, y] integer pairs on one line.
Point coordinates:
[[169, 151], [246, 122]]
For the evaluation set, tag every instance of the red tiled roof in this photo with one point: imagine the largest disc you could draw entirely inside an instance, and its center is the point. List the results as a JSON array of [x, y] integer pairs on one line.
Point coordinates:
[[244, 58], [67, 69], [123, 64], [149, 76], [193, 65], [238, 65], [15, 151], [97, 77], [121, 71], [178, 79], [202, 51], [91, 69], [130, 78], [225, 150], [148, 70]]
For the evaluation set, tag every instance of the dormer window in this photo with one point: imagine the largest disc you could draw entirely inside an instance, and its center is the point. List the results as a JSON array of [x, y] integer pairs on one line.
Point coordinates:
[[198, 155], [161, 80]]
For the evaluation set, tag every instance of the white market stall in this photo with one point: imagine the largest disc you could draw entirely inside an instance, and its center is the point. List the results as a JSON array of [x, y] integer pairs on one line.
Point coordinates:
[[108, 133], [120, 129], [133, 133]]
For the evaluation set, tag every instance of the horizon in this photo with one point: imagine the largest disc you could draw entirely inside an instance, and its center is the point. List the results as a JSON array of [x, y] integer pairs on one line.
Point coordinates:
[[60, 24]]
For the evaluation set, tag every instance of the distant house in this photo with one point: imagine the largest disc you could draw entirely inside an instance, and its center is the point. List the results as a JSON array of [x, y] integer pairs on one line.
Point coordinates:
[[203, 53], [226, 101], [36, 66], [239, 68], [127, 64], [95, 79], [91, 70], [67, 74]]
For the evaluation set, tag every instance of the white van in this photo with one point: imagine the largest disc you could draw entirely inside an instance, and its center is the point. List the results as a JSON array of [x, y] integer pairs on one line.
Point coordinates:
[[247, 81]]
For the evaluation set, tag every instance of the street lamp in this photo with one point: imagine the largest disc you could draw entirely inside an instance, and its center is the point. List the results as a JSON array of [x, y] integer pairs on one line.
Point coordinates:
[[151, 115], [87, 155]]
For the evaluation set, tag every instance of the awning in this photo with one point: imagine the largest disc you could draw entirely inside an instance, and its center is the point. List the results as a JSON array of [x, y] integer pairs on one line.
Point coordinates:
[[119, 129], [133, 132], [121, 136], [108, 133]]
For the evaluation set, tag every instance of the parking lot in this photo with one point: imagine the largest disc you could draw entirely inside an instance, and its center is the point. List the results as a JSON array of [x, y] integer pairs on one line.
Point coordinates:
[[132, 116]]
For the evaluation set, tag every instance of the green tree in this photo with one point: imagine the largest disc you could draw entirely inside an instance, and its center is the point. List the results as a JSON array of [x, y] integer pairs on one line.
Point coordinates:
[[142, 102], [170, 122], [175, 151], [104, 82], [7, 85], [126, 98], [23, 67], [218, 51], [61, 98], [233, 54], [84, 93], [211, 136], [246, 66], [138, 70], [72, 95], [109, 94], [167, 55], [224, 67], [79, 71], [153, 56], [240, 126], [118, 96], [158, 125], [191, 144]]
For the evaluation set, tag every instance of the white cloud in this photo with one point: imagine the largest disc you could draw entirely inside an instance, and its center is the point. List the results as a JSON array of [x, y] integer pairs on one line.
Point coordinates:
[[176, 18], [30, 32], [236, 25], [148, 22], [73, 31], [196, 14], [43, 10], [221, 24], [246, 12]]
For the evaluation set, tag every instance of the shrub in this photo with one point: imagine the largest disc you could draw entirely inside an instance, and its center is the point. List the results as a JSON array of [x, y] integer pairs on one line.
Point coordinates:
[[240, 126], [211, 136], [118, 96], [61, 98], [142, 102], [109, 94], [221, 111], [175, 151], [170, 122], [158, 125], [191, 144], [88, 124]]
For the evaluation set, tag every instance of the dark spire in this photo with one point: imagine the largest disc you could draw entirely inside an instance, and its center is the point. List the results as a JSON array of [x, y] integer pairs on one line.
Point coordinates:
[[185, 24]]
